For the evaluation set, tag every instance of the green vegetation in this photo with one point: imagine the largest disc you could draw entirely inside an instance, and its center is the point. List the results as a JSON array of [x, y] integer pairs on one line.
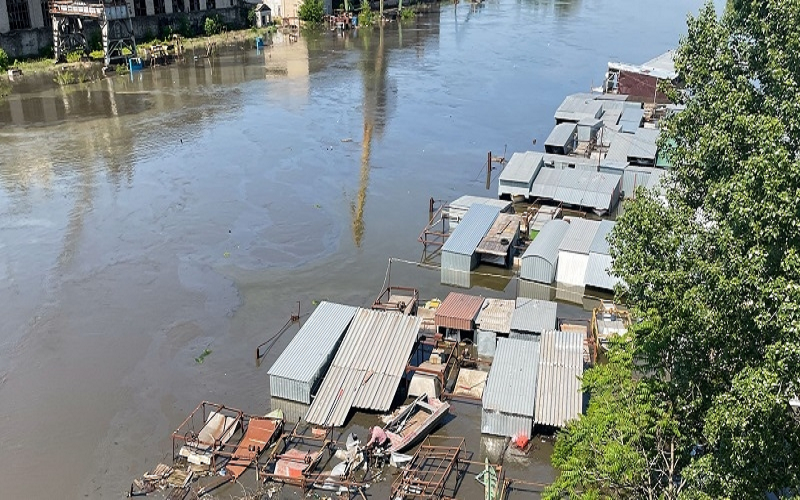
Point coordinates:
[[311, 11], [365, 17], [72, 76], [3, 60], [199, 360], [533, 234], [714, 273], [75, 56], [213, 25], [5, 88], [407, 13]]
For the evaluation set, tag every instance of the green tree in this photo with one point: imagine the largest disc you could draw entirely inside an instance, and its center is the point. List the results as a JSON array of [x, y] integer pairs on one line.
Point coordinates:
[[311, 11], [715, 270], [3, 60]]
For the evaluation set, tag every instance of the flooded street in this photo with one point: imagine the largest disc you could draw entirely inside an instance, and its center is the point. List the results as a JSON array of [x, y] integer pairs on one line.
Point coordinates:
[[191, 207]]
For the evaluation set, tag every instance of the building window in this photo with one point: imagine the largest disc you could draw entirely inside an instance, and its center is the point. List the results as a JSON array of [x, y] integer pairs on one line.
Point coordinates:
[[159, 6], [177, 5], [194, 5], [211, 4], [19, 18], [139, 8], [46, 13]]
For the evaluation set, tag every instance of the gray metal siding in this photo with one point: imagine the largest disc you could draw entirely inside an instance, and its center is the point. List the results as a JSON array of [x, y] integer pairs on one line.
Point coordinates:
[[532, 290], [455, 269], [534, 316], [503, 424], [580, 235], [304, 361], [597, 274], [509, 387], [541, 257], [633, 177], [471, 230], [522, 167], [537, 269], [562, 136], [487, 343], [558, 390], [600, 242]]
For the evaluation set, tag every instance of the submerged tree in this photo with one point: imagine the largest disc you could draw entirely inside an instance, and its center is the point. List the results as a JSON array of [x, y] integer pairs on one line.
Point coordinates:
[[715, 270]]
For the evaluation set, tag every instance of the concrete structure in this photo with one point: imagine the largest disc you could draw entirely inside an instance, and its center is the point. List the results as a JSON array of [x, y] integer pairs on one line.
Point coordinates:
[[573, 252], [297, 372], [540, 260], [517, 176], [509, 399], [459, 255], [558, 387]]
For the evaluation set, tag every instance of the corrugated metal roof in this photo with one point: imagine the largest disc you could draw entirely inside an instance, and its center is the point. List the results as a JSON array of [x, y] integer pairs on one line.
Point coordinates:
[[465, 202], [522, 167], [558, 389], [597, 274], [532, 315], [655, 180], [471, 230], [631, 118], [598, 190], [620, 144], [579, 236], [662, 67], [495, 315], [458, 310], [561, 135], [600, 241], [311, 347], [367, 368], [644, 144], [545, 244], [578, 106], [511, 386]]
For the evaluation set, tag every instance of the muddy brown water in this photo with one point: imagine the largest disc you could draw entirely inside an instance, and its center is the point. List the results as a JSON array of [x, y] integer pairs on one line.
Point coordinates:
[[145, 219]]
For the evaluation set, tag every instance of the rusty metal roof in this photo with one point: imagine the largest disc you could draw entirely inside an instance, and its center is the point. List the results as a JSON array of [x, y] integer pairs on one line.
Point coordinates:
[[500, 236], [495, 315], [458, 311], [367, 368]]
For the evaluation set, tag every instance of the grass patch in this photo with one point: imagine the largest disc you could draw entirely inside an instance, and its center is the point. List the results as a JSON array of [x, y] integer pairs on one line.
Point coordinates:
[[407, 13], [533, 233], [5, 89], [199, 359], [72, 76]]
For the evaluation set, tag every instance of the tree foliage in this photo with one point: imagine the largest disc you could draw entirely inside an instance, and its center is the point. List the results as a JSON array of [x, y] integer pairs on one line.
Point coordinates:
[[715, 270], [311, 11], [3, 60]]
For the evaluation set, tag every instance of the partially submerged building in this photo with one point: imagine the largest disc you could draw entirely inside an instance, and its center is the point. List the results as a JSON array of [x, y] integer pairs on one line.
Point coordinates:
[[640, 81], [297, 372], [455, 210], [517, 176], [573, 252], [459, 252], [540, 260], [493, 321], [562, 138], [599, 263], [596, 191], [509, 399], [531, 317], [455, 317], [559, 398], [367, 368], [499, 244]]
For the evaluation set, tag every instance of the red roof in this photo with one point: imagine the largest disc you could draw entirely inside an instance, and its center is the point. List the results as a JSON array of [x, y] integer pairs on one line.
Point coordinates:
[[458, 311]]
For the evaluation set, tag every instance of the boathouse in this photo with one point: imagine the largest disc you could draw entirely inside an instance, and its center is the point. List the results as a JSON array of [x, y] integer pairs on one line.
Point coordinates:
[[509, 399], [367, 368], [597, 191], [494, 319], [298, 370], [454, 211], [540, 260], [498, 247], [576, 107], [459, 255], [531, 317], [558, 387], [562, 138], [640, 81], [455, 317], [573, 252], [637, 148], [597, 268], [517, 176]]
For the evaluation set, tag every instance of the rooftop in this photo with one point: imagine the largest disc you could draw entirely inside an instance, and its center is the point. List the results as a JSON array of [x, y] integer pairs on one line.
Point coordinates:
[[458, 310], [471, 230], [533, 315], [522, 167], [495, 315], [511, 386], [579, 236]]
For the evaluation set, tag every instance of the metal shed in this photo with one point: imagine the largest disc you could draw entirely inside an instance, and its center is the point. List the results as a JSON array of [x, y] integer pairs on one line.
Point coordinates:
[[558, 388], [573, 253], [498, 246], [598, 191], [509, 399], [518, 174], [459, 255], [493, 319], [633, 177], [576, 107], [540, 260], [561, 140], [367, 368], [597, 275], [532, 316], [302, 364], [643, 149], [456, 209], [588, 128], [458, 311], [631, 119]]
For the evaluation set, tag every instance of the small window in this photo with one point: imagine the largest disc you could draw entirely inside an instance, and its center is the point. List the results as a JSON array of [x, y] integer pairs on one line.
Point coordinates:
[[19, 18], [159, 6], [571, 165], [139, 8]]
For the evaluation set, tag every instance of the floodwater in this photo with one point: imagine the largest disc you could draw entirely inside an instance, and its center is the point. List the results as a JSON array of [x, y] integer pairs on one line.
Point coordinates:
[[146, 219]]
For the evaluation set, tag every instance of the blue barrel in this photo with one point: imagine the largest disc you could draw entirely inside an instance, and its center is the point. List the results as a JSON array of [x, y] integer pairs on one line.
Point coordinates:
[[259, 42], [355, 21]]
